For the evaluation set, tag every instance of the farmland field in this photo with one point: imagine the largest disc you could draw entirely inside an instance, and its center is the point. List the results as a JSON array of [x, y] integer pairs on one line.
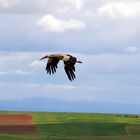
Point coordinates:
[[76, 126]]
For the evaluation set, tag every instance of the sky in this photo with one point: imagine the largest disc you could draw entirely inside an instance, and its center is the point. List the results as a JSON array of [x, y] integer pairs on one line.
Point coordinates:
[[104, 34]]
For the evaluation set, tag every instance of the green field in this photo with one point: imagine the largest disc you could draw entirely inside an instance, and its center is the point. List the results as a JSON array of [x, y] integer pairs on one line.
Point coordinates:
[[80, 126]]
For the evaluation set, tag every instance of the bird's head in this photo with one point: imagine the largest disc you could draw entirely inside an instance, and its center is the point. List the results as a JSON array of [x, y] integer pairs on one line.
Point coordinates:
[[44, 57]]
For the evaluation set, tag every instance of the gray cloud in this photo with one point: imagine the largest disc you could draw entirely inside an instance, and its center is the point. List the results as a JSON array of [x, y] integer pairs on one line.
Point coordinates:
[[101, 35], [40, 6]]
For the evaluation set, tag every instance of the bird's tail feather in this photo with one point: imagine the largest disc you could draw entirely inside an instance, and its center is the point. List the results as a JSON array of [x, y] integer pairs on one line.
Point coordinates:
[[79, 62]]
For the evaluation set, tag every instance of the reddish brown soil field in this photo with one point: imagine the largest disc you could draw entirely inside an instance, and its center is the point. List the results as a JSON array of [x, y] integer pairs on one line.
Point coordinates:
[[18, 119], [18, 129], [19, 123]]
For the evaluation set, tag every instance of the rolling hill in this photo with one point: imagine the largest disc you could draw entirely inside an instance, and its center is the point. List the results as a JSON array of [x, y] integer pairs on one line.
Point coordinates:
[[78, 126]]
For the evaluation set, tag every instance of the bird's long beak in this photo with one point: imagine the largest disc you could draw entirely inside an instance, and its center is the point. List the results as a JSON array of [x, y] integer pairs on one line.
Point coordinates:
[[79, 62], [44, 57]]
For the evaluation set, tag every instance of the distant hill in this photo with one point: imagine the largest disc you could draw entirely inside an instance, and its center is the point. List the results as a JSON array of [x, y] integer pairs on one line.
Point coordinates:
[[55, 105]]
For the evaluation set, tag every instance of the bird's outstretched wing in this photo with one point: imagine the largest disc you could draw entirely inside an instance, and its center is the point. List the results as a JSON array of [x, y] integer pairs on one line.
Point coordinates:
[[71, 62], [52, 65], [69, 69]]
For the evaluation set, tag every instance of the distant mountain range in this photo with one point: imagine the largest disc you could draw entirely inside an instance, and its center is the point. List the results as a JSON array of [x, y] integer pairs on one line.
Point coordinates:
[[56, 105]]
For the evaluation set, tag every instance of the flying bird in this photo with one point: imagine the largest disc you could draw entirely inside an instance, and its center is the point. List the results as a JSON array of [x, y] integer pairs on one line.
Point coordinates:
[[69, 64]]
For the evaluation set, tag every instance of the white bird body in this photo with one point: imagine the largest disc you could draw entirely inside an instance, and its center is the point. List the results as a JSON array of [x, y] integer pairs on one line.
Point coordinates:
[[66, 58], [69, 64]]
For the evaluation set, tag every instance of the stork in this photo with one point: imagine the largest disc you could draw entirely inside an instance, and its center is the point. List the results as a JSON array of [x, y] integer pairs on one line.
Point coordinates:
[[69, 64]]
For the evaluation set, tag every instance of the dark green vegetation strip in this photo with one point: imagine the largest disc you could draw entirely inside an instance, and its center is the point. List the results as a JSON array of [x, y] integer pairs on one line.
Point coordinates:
[[83, 129]]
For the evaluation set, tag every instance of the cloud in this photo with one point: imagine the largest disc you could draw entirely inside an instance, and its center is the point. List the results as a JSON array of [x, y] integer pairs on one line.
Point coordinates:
[[36, 63], [7, 3], [49, 22], [121, 9], [132, 49], [16, 63], [32, 89], [11, 56], [21, 72], [16, 72], [2, 72], [65, 6], [78, 4], [41, 6], [60, 86]]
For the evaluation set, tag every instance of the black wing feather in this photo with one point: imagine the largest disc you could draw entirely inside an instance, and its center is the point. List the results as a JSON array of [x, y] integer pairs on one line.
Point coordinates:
[[71, 62], [70, 73], [69, 69], [52, 65]]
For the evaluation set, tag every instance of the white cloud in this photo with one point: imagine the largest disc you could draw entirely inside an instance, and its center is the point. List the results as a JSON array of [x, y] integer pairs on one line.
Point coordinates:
[[49, 22], [121, 9], [60, 86], [7, 3], [64, 6], [15, 63], [11, 56], [36, 63], [69, 5], [16, 72], [79, 4], [2, 73], [131, 49], [29, 85], [21, 72]]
